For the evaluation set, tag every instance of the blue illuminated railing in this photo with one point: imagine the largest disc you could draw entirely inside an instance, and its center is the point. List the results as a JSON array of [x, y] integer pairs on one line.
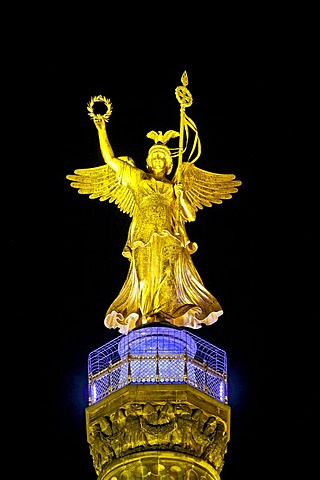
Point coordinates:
[[157, 355]]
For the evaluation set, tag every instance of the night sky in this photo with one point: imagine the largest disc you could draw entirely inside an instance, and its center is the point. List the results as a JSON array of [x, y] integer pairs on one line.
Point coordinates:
[[70, 262]]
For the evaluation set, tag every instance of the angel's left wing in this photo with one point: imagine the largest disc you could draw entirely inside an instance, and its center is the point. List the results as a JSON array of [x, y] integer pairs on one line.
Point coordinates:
[[102, 182], [203, 188]]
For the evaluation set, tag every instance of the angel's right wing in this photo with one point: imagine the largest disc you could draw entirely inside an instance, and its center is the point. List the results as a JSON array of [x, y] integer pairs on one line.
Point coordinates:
[[203, 188], [102, 182]]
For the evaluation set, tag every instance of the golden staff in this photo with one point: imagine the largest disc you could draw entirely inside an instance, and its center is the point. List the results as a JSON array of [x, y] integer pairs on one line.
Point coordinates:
[[184, 97]]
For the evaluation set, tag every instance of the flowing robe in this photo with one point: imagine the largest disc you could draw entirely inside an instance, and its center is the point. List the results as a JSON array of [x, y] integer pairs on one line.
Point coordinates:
[[162, 283]]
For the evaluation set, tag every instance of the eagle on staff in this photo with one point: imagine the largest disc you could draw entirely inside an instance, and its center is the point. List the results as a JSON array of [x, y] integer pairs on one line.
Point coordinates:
[[162, 284]]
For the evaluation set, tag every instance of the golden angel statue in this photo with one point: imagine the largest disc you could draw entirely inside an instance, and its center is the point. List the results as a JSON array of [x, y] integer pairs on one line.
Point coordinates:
[[162, 283]]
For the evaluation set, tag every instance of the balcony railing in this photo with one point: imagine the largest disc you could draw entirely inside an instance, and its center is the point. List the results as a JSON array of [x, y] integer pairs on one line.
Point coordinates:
[[157, 355]]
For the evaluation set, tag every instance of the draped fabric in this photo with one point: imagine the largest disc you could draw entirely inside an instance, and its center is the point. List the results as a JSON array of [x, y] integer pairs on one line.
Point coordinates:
[[162, 283]]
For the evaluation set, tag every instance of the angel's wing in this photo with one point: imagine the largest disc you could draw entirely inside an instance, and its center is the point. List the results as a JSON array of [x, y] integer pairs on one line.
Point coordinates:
[[203, 188], [101, 182]]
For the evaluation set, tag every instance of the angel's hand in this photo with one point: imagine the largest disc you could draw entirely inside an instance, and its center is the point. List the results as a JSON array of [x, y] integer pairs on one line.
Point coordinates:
[[178, 190], [99, 122]]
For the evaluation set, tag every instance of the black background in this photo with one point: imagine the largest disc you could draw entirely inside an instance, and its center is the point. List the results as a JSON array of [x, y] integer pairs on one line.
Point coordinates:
[[247, 86]]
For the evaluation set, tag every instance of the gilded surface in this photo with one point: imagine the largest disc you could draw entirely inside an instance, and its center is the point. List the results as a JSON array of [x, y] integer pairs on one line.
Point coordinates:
[[159, 466], [162, 284], [176, 427]]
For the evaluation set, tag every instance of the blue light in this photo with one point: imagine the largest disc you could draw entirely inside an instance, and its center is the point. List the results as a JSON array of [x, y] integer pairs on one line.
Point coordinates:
[[157, 354]]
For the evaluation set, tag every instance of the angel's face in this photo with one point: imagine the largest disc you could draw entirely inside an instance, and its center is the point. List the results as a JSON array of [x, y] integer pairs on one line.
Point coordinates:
[[158, 162]]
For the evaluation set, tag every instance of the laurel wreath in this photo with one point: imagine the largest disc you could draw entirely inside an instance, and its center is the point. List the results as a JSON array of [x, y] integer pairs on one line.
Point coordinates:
[[100, 99]]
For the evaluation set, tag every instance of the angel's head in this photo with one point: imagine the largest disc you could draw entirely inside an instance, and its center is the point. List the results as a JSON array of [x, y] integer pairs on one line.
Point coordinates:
[[157, 153]]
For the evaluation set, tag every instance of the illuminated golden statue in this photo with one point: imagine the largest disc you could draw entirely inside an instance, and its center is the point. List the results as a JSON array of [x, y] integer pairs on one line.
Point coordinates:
[[162, 284]]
